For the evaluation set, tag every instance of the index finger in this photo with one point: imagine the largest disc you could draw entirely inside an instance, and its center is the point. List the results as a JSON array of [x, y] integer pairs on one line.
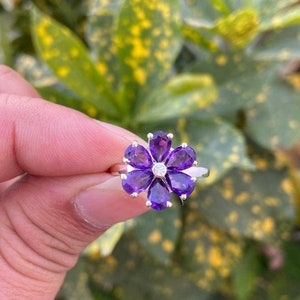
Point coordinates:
[[46, 139]]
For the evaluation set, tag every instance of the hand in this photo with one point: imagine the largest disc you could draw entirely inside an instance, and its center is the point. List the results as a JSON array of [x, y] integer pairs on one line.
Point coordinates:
[[56, 194]]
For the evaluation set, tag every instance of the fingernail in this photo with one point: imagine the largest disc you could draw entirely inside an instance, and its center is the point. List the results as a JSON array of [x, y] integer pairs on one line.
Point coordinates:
[[122, 132], [107, 204], [116, 129]]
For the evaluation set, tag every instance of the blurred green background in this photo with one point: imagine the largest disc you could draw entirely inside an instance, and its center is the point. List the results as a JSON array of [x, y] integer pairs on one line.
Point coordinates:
[[223, 76]]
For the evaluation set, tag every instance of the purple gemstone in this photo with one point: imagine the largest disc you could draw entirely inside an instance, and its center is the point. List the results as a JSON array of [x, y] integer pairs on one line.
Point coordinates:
[[180, 183], [158, 194], [138, 157], [181, 158], [160, 145], [137, 181]]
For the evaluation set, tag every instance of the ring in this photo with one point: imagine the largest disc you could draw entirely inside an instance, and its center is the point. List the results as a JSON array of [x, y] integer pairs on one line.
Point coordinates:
[[160, 170]]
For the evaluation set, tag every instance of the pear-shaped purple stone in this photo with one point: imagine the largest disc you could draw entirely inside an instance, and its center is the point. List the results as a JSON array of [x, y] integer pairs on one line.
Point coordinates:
[[158, 194], [160, 145], [138, 157], [180, 183], [137, 181], [181, 158]]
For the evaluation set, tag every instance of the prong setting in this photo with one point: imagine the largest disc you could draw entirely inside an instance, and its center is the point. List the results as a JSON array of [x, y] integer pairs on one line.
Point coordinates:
[[194, 179], [135, 144], [170, 136], [126, 160], [183, 197], [184, 145], [148, 203], [169, 204], [134, 195], [150, 136], [123, 176]]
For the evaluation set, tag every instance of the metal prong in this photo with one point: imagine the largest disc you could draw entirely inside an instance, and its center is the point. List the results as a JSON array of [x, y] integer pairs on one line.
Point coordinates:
[[170, 135], [184, 145], [126, 160], [150, 136], [123, 176], [194, 179], [169, 204], [134, 143], [195, 163], [134, 195], [148, 203], [183, 197]]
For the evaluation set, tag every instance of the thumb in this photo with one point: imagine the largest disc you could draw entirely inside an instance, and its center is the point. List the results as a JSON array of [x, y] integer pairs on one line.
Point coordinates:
[[48, 221]]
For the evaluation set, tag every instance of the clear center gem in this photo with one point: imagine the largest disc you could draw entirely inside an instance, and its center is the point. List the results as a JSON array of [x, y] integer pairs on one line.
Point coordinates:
[[159, 170]]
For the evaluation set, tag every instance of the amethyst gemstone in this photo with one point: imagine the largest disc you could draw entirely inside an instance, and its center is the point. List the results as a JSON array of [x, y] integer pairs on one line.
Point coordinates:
[[137, 181], [181, 158], [160, 145], [180, 183], [138, 157], [158, 194]]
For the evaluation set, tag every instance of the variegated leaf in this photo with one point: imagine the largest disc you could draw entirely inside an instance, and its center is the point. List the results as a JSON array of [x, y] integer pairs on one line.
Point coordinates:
[[148, 40], [68, 58], [257, 204], [181, 96]]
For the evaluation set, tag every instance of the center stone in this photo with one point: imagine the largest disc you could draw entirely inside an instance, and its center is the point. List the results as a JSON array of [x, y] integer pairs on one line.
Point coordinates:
[[159, 170]]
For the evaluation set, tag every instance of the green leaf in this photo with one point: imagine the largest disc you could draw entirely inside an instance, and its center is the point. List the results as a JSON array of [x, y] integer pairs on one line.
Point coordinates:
[[148, 41], [282, 45], [159, 233], [199, 37], [203, 13], [76, 284], [283, 18], [274, 119], [8, 5], [221, 6], [6, 50], [36, 72], [49, 86], [106, 243], [180, 97], [96, 7], [246, 273], [68, 58], [219, 145], [239, 27], [283, 284], [238, 77], [268, 8], [208, 254], [130, 273], [100, 33], [257, 205]]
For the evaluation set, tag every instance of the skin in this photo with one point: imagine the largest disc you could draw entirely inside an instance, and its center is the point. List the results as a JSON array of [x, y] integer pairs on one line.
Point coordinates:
[[56, 192]]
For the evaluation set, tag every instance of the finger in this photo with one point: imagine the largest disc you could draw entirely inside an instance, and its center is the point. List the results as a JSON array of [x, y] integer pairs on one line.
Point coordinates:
[[42, 233], [42, 138], [12, 83]]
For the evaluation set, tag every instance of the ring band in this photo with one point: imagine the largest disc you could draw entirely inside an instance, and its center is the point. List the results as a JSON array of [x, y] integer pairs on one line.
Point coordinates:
[[197, 172]]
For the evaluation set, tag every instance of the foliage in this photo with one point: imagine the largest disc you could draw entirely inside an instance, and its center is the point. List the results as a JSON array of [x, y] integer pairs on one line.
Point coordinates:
[[222, 76]]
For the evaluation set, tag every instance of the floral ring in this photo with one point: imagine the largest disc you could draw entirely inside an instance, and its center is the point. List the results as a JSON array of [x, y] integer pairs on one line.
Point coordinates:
[[161, 170]]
